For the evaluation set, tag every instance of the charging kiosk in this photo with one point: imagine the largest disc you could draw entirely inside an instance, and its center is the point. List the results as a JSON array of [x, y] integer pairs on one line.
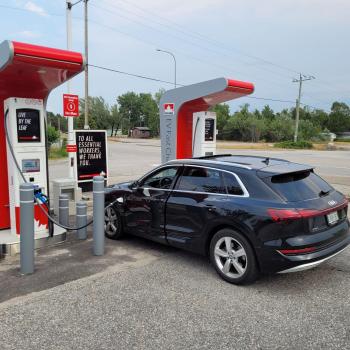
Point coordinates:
[[28, 73], [26, 132], [178, 118]]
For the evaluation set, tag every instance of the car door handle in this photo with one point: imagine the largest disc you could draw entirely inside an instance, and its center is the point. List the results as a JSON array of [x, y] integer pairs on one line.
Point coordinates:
[[210, 207]]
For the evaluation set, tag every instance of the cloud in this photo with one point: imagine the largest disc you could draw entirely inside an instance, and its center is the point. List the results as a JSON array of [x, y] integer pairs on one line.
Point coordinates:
[[29, 34], [31, 6]]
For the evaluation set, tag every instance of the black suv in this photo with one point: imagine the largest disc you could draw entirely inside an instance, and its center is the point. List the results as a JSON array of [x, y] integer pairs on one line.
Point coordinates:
[[249, 214]]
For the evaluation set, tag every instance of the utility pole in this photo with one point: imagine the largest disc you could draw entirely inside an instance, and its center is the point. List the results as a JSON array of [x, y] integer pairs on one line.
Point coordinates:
[[86, 119], [300, 81], [70, 121]]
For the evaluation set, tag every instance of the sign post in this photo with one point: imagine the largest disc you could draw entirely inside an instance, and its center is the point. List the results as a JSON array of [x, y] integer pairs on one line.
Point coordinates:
[[91, 156], [71, 109]]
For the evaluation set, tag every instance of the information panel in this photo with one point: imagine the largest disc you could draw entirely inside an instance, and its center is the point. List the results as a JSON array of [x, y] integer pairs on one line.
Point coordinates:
[[91, 159], [209, 129], [28, 125]]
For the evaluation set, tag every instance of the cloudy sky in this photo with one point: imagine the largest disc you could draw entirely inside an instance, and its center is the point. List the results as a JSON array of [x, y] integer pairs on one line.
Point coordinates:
[[266, 42]]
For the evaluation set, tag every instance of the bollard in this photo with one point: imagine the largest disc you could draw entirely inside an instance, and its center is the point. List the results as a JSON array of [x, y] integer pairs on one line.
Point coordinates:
[[26, 193], [99, 215], [81, 219], [63, 209]]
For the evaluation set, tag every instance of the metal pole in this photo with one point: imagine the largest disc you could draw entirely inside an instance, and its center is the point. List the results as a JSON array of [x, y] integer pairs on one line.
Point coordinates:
[[86, 120], [170, 53], [297, 111], [81, 219], [99, 215], [70, 119], [63, 209], [26, 192]]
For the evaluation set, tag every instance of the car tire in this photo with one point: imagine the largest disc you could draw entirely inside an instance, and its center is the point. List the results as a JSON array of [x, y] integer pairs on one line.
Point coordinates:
[[113, 222], [233, 257]]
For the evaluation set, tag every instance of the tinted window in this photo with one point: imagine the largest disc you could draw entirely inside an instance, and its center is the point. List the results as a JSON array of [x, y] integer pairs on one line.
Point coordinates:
[[299, 186], [232, 185], [161, 179], [201, 180]]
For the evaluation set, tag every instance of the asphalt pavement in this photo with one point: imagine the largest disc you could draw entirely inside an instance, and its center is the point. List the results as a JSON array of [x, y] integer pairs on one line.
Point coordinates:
[[164, 298]]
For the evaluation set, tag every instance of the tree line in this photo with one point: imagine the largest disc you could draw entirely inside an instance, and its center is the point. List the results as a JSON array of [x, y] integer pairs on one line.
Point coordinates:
[[132, 109]]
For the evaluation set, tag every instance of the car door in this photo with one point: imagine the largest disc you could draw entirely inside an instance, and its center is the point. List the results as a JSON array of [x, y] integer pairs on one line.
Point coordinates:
[[195, 201], [145, 206]]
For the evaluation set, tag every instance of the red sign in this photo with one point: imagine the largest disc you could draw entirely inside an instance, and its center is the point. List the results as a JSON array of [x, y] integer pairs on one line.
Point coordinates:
[[70, 105], [169, 108], [71, 148]]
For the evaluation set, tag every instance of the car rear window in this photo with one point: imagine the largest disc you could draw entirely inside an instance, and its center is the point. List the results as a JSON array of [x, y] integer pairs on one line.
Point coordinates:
[[300, 186]]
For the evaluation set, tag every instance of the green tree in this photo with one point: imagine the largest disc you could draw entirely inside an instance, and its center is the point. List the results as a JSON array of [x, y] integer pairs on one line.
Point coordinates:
[[222, 115], [130, 109], [339, 118], [150, 113]]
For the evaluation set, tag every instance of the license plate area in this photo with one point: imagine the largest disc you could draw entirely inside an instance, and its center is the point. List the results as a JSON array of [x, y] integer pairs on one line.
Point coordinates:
[[332, 218]]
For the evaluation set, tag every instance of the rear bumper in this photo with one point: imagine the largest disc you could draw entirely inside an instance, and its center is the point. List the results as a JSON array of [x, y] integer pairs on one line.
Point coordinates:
[[271, 260], [310, 265]]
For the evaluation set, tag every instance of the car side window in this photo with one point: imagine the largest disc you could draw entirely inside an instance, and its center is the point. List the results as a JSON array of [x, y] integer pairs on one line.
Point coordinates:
[[200, 179], [232, 185], [161, 179]]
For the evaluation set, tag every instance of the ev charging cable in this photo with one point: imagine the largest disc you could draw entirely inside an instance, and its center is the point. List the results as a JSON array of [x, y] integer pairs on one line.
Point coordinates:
[[195, 135], [68, 228]]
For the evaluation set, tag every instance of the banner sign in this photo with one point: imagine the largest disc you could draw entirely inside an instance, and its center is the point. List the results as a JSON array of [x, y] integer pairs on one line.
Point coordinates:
[[70, 105], [91, 159]]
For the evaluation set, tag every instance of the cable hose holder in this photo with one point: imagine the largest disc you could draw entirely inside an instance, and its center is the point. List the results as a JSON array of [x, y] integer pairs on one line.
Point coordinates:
[[9, 143]]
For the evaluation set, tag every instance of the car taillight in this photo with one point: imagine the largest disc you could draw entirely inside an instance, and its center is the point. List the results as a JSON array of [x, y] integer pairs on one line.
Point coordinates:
[[291, 214], [284, 214]]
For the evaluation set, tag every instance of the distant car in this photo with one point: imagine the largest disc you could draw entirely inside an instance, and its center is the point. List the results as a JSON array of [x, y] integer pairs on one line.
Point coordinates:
[[250, 215]]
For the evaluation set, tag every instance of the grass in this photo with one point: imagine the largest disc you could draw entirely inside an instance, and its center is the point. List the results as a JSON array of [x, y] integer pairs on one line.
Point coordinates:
[[294, 145], [57, 153]]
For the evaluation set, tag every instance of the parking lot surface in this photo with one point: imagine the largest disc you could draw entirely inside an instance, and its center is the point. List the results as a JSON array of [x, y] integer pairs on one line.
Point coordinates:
[[168, 299]]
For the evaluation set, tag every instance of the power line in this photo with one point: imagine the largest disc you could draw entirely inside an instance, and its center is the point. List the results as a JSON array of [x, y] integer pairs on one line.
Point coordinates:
[[172, 83], [185, 39], [205, 37], [133, 75]]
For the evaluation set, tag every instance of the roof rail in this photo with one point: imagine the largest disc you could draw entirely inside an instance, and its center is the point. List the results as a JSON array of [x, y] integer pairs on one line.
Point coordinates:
[[208, 161]]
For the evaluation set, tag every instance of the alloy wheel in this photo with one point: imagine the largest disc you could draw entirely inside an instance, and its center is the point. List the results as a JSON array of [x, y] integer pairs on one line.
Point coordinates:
[[230, 257], [111, 221]]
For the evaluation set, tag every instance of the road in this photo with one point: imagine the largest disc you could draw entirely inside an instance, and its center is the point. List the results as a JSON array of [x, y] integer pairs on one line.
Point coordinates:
[[132, 158]]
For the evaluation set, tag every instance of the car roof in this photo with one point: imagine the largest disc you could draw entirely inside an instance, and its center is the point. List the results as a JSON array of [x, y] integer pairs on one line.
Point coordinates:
[[264, 165]]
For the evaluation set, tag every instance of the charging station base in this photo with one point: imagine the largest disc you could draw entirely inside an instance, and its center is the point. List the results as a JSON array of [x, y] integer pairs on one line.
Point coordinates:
[[10, 244]]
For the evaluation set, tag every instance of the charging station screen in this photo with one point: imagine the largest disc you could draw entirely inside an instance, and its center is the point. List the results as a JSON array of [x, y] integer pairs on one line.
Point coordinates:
[[28, 125], [209, 129], [31, 165]]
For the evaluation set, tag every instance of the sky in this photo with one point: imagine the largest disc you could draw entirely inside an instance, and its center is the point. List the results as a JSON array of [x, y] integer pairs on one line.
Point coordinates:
[[265, 42]]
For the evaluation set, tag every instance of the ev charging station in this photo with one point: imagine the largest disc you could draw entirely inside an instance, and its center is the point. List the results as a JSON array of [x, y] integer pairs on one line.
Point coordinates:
[[28, 73], [187, 129], [204, 134]]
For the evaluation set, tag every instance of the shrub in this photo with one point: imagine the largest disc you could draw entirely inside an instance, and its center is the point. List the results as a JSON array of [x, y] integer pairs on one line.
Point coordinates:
[[53, 135], [294, 145]]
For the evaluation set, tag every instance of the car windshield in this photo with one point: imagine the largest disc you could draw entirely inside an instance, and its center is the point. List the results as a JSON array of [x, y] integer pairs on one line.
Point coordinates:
[[299, 186]]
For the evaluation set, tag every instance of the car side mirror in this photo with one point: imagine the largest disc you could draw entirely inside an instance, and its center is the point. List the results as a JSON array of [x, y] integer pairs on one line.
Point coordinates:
[[134, 186]]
